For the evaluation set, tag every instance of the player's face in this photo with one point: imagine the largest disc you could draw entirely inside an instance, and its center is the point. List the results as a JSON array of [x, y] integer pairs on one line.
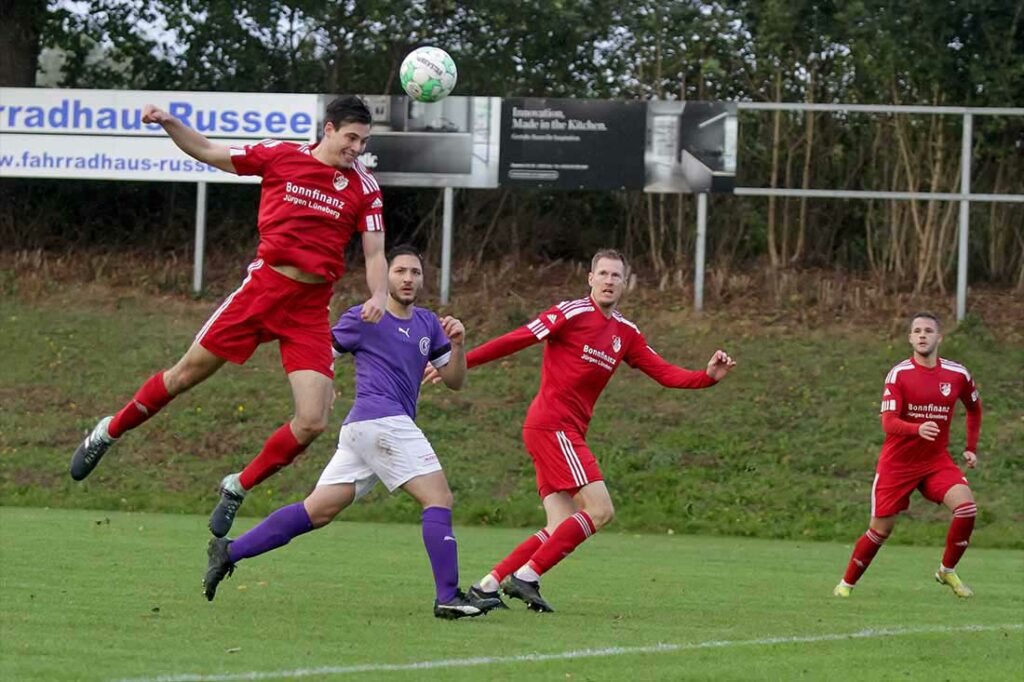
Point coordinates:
[[345, 143], [924, 336], [607, 282], [405, 279]]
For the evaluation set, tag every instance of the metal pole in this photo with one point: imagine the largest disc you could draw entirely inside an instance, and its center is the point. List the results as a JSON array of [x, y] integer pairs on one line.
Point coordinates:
[[197, 263], [965, 218], [446, 245], [702, 234]]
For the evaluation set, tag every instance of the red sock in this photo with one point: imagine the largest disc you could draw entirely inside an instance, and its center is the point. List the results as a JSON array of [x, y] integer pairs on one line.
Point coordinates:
[[567, 537], [278, 452], [520, 555], [959, 535], [147, 402], [863, 552]]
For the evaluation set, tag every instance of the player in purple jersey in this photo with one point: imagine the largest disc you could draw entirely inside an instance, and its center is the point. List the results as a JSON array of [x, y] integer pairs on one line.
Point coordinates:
[[379, 441]]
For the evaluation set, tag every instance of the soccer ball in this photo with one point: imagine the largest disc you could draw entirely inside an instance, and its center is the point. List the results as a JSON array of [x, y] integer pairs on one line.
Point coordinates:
[[428, 74]]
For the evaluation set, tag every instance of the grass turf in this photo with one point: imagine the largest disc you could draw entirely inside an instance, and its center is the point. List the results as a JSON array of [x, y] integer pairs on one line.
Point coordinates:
[[89, 595]]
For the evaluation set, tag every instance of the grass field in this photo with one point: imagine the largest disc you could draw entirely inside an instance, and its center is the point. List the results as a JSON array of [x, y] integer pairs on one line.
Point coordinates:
[[785, 447], [88, 595]]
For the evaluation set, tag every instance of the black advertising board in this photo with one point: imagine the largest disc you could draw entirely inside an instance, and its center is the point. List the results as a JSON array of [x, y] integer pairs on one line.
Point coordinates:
[[572, 144], [691, 146]]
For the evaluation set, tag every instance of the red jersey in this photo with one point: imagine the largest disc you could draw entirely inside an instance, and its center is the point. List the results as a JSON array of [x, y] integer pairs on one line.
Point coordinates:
[[915, 394], [308, 210], [583, 349]]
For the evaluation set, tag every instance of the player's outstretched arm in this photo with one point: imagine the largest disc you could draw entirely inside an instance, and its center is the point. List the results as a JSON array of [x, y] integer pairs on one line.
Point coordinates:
[[645, 359], [376, 276], [454, 373], [189, 141]]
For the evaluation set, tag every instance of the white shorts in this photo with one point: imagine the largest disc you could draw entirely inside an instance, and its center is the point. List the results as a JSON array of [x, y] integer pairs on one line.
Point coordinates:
[[392, 450]]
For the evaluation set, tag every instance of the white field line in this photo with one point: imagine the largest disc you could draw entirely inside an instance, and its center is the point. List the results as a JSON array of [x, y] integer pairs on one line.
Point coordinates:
[[870, 633]]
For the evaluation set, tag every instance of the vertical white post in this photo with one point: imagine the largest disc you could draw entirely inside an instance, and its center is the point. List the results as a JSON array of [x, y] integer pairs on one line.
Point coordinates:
[[965, 218], [197, 263], [702, 234], [446, 245]]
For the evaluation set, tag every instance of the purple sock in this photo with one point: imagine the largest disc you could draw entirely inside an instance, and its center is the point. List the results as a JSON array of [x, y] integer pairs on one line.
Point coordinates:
[[272, 532], [439, 539]]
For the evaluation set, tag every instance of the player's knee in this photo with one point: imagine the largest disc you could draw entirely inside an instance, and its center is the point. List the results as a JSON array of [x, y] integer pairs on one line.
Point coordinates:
[[322, 514], [307, 428], [601, 515]]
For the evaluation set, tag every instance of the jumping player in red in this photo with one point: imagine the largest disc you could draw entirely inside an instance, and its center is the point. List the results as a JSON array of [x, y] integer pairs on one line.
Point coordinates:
[[586, 341], [313, 199], [917, 408]]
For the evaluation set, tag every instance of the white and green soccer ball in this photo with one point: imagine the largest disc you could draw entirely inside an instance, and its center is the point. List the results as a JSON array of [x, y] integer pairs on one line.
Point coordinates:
[[428, 74]]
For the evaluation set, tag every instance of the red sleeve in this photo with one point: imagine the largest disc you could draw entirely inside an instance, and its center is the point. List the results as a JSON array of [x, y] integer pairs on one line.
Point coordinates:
[[969, 397], [371, 218], [642, 357], [506, 344], [251, 159], [894, 426], [548, 323]]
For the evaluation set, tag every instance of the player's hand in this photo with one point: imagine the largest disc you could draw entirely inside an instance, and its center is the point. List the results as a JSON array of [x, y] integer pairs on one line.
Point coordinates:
[[719, 365], [430, 374], [454, 330], [971, 459], [928, 430], [373, 311], [154, 114]]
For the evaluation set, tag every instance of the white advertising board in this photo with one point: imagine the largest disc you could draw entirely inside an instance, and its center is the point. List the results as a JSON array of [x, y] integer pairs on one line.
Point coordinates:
[[99, 134]]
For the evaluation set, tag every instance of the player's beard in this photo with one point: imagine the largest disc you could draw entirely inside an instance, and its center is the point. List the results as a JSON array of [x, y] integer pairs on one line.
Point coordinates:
[[403, 298]]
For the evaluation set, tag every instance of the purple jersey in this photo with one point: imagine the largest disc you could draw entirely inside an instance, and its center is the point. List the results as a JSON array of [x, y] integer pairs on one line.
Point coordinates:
[[390, 358]]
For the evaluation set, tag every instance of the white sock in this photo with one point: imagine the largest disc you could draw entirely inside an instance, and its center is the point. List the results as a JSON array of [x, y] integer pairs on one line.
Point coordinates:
[[488, 583], [233, 483], [102, 432], [946, 570], [845, 584], [528, 574]]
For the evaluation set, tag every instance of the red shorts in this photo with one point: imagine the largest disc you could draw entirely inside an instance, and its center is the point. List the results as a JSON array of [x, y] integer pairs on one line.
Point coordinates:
[[271, 306], [891, 491], [562, 460]]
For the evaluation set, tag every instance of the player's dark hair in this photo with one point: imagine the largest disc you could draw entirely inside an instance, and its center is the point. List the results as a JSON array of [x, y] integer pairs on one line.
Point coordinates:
[[348, 109], [404, 250], [611, 254], [928, 316]]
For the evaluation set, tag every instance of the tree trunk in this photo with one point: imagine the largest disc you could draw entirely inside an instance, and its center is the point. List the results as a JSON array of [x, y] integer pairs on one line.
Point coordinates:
[[21, 22]]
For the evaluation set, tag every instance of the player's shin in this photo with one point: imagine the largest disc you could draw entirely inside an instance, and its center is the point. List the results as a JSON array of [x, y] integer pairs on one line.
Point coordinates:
[[278, 452], [443, 551], [569, 535], [863, 552], [151, 397], [519, 556], [959, 535], [275, 531]]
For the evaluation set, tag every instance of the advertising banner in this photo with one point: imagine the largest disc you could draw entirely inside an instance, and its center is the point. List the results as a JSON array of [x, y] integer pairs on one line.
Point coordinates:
[[691, 147], [572, 143], [99, 134], [451, 143]]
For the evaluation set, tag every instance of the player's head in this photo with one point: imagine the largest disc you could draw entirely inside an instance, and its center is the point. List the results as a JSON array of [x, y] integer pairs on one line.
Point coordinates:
[[607, 278], [925, 334], [346, 130], [405, 274]]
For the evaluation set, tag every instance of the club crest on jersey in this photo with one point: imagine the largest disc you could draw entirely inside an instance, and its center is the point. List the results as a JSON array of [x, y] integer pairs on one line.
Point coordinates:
[[425, 345], [340, 181], [616, 344], [945, 388]]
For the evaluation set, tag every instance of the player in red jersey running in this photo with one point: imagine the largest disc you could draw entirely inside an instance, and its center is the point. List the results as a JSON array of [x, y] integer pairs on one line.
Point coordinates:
[[917, 408], [313, 199], [586, 341]]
